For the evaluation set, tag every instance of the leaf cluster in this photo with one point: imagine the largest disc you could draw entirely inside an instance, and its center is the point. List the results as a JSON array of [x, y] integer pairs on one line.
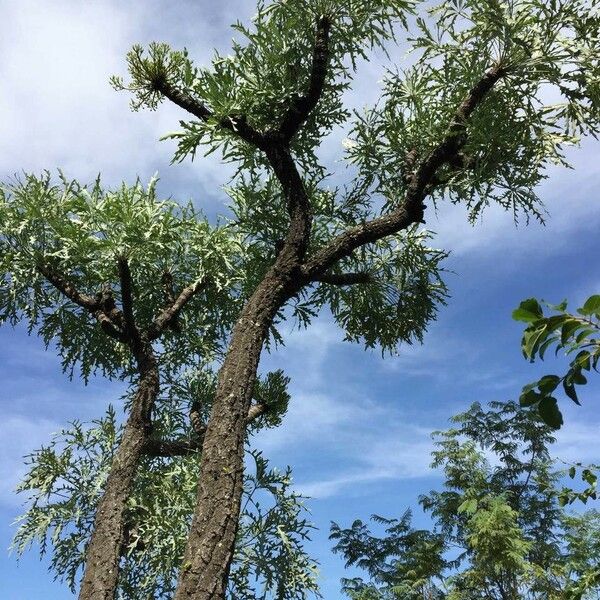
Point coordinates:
[[65, 484], [81, 232], [574, 334]]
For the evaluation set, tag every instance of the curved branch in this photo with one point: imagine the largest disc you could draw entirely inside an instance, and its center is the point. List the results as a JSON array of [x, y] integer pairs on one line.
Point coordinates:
[[301, 106], [169, 315], [95, 306], [68, 288], [237, 124], [412, 209]]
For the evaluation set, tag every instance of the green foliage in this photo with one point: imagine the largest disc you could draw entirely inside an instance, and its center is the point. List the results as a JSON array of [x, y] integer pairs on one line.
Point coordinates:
[[405, 287], [268, 66], [544, 49], [65, 483], [574, 334], [499, 531], [401, 564], [81, 232], [547, 50]]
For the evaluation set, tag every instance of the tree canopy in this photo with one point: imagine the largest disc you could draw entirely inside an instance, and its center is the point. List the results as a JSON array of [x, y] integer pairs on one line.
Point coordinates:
[[130, 286]]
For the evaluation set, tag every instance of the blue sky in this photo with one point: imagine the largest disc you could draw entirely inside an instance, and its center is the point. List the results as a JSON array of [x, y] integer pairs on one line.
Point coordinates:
[[358, 430]]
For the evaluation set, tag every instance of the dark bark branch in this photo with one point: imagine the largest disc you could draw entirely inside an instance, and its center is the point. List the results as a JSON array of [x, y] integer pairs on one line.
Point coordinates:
[[301, 106], [237, 124], [169, 299], [172, 448], [68, 288], [169, 315], [412, 209], [295, 244], [126, 282], [99, 307], [185, 447], [168, 288], [344, 278]]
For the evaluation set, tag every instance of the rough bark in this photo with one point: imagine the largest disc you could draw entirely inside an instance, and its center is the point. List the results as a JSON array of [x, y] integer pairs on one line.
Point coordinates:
[[212, 535], [104, 550], [211, 541]]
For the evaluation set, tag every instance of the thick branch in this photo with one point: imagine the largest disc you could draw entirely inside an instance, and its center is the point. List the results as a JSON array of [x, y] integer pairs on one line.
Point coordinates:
[[344, 278], [237, 124], [413, 208], [302, 106], [95, 306], [68, 288], [169, 315], [169, 298], [170, 448], [255, 411], [185, 447], [126, 282]]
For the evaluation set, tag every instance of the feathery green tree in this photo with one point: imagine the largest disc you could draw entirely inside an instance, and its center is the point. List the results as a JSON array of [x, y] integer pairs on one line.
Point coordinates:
[[499, 532], [494, 93]]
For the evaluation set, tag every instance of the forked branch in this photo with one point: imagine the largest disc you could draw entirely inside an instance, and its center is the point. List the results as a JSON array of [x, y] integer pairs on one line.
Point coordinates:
[[169, 315], [105, 315]]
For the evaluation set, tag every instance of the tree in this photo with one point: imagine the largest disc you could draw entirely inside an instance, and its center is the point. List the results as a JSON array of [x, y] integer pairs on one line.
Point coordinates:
[[468, 122], [66, 479], [566, 331], [498, 529]]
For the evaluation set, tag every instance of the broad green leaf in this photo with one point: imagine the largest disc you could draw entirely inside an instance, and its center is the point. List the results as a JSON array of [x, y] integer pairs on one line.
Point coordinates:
[[591, 306], [529, 311], [550, 413]]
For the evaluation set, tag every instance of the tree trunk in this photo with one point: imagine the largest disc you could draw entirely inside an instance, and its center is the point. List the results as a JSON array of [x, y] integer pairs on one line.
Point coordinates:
[[211, 541], [104, 550]]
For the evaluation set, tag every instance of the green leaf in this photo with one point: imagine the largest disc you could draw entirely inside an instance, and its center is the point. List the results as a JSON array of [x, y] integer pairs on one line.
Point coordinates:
[[570, 326], [469, 506], [550, 413], [529, 398], [591, 306], [529, 311], [548, 383], [531, 341], [570, 391]]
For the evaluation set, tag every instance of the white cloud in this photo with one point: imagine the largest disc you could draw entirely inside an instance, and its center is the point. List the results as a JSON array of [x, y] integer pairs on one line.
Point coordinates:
[[577, 441], [58, 109]]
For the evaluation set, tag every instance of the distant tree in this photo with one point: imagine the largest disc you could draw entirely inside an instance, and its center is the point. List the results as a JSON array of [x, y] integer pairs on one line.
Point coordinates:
[[494, 93], [498, 532]]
